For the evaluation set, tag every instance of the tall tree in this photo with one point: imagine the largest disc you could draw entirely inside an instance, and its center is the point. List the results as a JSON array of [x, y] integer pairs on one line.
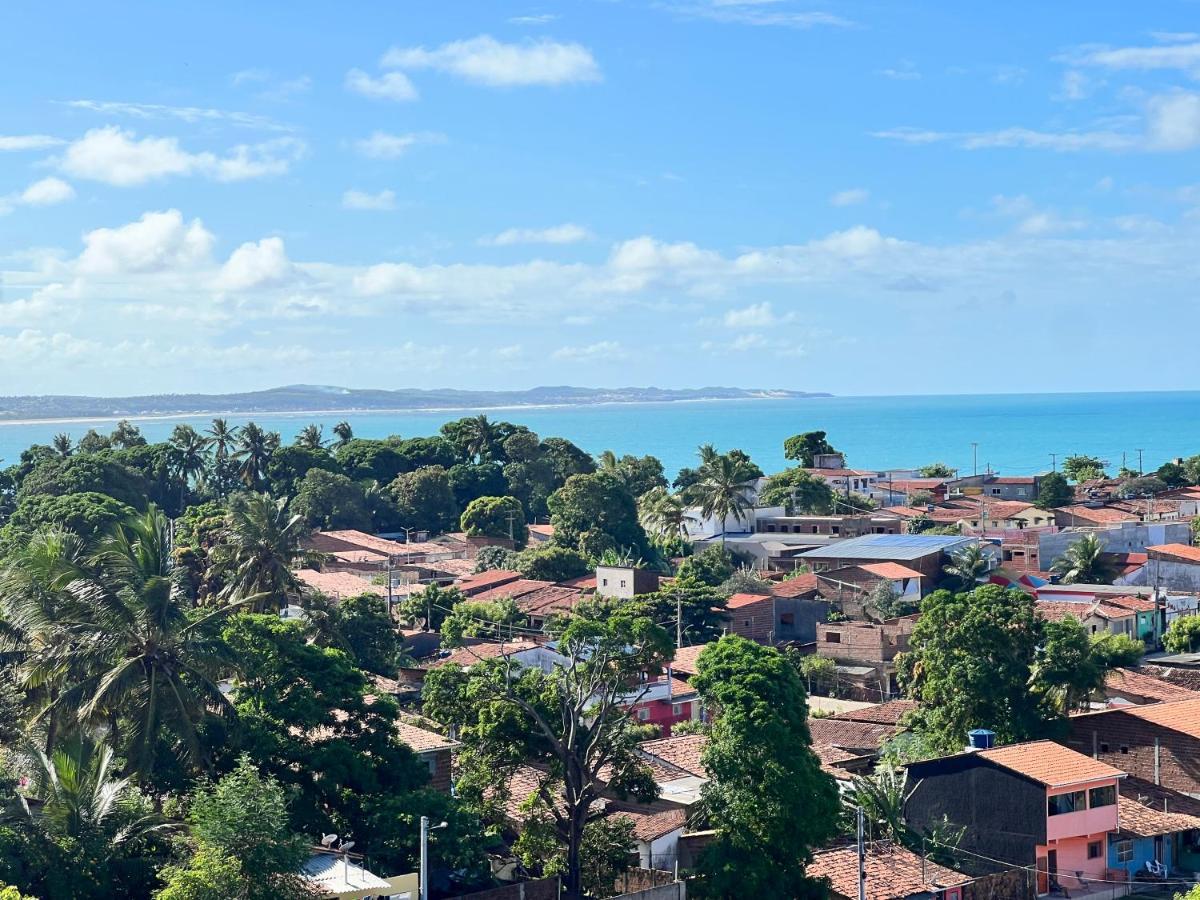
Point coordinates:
[[968, 565], [1053, 491], [599, 503], [767, 798], [311, 437], [799, 492], [662, 514], [970, 664], [724, 489], [223, 438], [343, 432], [1084, 562], [571, 722], [805, 447], [501, 517], [254, 447], [260, 543], [1072, 664], [190, 457], [62, 444]]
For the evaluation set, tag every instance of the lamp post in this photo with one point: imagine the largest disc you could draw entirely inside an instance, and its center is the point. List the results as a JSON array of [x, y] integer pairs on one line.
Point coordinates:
[[425, 829]]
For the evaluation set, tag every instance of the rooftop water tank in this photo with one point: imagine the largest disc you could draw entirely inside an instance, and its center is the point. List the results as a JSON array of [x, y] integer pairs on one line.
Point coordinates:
[[980, 739]]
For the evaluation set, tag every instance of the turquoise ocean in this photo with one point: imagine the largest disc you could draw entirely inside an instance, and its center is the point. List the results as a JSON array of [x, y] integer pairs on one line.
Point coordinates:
[[1015, 433]]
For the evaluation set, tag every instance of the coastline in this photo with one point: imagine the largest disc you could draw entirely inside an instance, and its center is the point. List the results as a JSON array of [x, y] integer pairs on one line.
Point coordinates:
[[372, 411]]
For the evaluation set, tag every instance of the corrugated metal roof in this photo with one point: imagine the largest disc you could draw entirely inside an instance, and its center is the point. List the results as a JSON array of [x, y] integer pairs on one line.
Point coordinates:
[[888, 547]]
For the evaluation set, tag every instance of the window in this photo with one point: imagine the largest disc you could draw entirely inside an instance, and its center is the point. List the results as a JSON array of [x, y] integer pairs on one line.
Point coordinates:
[[1124, 748], [1124, 851], [1102, 796], [746, 622], [604, 581], [1103, 747], [833, 637], [1058, 804], [431, 761], [622, 582], [676, 709], [1095, 849], [787, 618], [643, 714]]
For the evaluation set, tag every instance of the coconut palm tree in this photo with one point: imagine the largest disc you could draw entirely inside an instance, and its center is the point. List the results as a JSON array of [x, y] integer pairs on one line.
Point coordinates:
[[311, 437], [343, 432], [968, 564], [62, 444], [34, 604], [662, 513], [479, 435], [1084, 563], [723, 488], [191, 456], [881, 798], [254, 452], [261, 543], [222, 438], [151, 668]]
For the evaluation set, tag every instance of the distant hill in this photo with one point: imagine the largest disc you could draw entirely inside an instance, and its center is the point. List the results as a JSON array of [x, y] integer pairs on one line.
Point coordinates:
[[312, 398]]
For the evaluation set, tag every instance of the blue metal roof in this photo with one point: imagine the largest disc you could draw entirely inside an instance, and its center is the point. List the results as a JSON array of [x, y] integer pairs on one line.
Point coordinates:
[[889, 546]]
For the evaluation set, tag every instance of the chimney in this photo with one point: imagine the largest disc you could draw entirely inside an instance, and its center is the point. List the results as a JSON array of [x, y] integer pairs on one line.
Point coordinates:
[[980, 739]]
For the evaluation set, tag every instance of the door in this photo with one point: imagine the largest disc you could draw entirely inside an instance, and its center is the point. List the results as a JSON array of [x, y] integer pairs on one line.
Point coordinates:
[[1159, 850], [1052, 865], [1043, 882]]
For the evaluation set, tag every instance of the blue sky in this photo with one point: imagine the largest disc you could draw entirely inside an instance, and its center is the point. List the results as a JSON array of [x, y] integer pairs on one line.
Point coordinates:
[[862, 198]]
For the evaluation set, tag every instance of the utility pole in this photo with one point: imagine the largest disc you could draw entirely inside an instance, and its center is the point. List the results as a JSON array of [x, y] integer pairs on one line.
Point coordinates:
[[389, 578], [510, 525], [425, 829], [1053, 462], [678, 620], [1139, 453], [862, 859], [974, 457]]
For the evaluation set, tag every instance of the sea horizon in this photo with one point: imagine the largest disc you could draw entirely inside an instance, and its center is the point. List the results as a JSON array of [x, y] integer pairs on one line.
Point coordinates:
[[1016, 433]]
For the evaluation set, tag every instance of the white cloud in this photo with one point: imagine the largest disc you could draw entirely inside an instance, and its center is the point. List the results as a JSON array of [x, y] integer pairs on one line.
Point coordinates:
[[15, 142], [389, 86], [762, 13], [850, 197], [601, 351], [1076, 85], [30, 345], [158, 241], [1183, 57], [538, 19], [485, 60], [1174, 121], [756, 315], [256, 264], [190, 114], [858, 241], [382, 145], [47, 192], [117, 157], [384, 200], [643, 253], [567, 233]]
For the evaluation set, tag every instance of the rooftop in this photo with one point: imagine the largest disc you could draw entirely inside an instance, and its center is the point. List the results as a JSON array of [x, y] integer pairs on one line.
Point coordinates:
[[848, 735], [469, 655], [650, 826], [1121, 681], [737, 601], [685, 660], [804, 583], [890, 570], [888, 547], [339, 584], [1049, 763], [893, 873], [1179, 551], [1178, 715], [889, 713], [681, 751], [1147, 810]]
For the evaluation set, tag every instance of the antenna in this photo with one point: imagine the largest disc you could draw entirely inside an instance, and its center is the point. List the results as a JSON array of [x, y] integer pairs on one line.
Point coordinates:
[[328, 840], [346, 846]]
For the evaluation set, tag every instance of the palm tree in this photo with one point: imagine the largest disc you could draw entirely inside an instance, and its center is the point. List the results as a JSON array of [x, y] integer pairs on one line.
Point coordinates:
[[261, 543], [254, 452], [723, 488], [478, 436], [127, 435], [1084, 563], [881, 798], [191, 456], [968, 564], [62, 444], [222, 438], [311, 437], [662, 513], [35, 602], [151, 667], [343, 432]]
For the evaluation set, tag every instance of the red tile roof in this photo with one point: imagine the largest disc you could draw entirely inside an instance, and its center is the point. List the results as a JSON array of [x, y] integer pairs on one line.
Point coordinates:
[[468, 656], [583, 582], [847, 735], [889, 713], [1137, 604], [1179, 715], [737, 601], [685, 660], [550, 599], [1049, 763], [482, 581], [1102, 515], [1145, 809], [650, 826], [1179, 551], [1057, 610], [804, 583], [890, 570], [339, 584], [893, 873], [1132, 682], [681, 751], [422, 740], [510, 589]]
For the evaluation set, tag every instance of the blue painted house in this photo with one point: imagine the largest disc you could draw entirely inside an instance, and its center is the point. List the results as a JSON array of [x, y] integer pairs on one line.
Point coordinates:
[[1157, 825]]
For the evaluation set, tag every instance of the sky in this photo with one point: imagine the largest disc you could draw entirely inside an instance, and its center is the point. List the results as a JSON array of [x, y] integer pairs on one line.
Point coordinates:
[[853, 197]]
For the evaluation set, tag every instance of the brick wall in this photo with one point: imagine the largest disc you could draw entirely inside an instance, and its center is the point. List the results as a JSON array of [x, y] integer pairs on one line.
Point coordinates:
[[755, 621], [863, 642], [1128, 743], [439, 769]]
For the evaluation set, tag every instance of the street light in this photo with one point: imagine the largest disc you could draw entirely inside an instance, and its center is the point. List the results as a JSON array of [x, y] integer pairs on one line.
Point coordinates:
[[425, 829]]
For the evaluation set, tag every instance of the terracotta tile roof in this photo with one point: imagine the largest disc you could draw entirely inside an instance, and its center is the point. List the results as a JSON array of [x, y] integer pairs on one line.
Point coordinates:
[[468, 656], [1178, 715], [422, 740], [482, 581], [737, 601], [893, 873], [1122, 681], [358, 556], [382, 545], [1049, 763], [583, 582], [547, 530], [847, 735], [1101, 515], [1146, 810], [1179, 551], [804, 583], [1186, 678], [650, 826], [1012, 479], [339, 584], [1057, 610], [459, 568], [685, 659], [890, 570], [511, 589], [937, 514], [1137, 604], [840, 473], [524, 782], [550, 599], [889, 713], [682, 751]]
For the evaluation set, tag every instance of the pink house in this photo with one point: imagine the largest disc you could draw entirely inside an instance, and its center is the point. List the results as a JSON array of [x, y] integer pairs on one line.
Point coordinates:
[[664, 701], [1033, 804]]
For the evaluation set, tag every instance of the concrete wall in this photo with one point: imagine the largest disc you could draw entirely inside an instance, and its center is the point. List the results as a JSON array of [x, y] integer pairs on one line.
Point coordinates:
[[1132, 537], [1132, 745], [1168, 574]]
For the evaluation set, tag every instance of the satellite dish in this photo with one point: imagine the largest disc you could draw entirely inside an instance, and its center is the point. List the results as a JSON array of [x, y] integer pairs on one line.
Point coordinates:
[[328, 839], [346, 846]]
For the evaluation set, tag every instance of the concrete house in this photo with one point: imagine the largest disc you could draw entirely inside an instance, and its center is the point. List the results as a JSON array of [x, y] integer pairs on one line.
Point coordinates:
[[926, 554]]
